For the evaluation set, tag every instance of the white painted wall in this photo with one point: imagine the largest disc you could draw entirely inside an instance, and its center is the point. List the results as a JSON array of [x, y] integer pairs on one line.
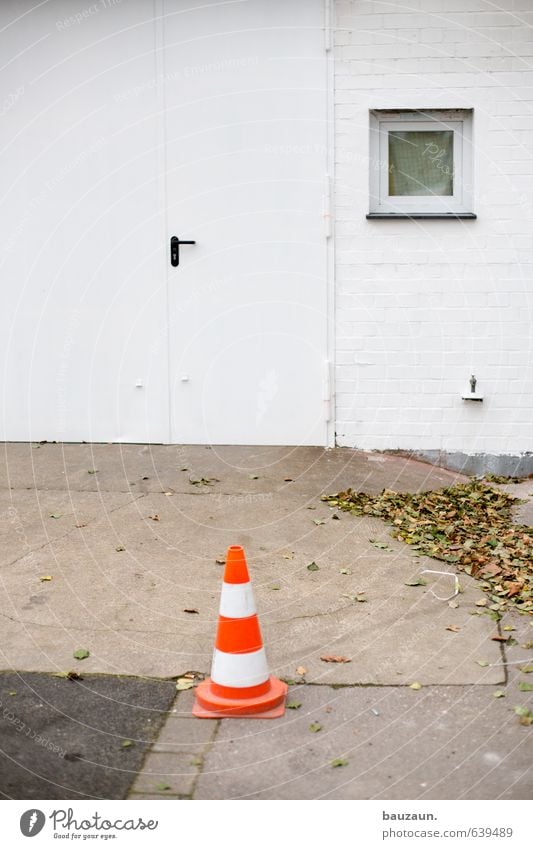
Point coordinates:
[[423, 304]]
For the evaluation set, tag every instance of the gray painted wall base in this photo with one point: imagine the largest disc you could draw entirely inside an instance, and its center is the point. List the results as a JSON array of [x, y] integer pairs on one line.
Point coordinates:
[[511, 465]]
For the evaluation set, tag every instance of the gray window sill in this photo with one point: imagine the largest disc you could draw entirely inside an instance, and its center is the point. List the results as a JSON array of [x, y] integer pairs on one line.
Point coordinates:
[[442, 216]]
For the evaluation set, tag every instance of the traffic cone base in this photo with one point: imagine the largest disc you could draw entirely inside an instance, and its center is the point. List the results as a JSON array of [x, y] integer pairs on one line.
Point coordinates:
[[270, 705]]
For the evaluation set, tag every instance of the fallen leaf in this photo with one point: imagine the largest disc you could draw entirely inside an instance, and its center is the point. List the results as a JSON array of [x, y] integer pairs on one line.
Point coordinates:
[[190, 610], [468, 524], [254, 477], [12, 693], [337, 518], [525, 687], [220, 561], [482, 662], [332, 658], [481, 602], [502, 478], [499, 639], [288, 480], [184, 684], [288, 556], [46, 577], [313, 567], [339, 762], [162, 786], [294, 704], [361, 596], [346, 571], [526, 669], [319, 521], [301, 670], [197, 760], [274, 586], [498, 694], [383, 545], [81, 525], [92, 471], [81, 654], [526, 715], [454, 628], [416, 582], [415, 686], [203, 481], [127, 743], [453, 604], [55, 515], [508, 628], [154, 518], [315, 726], [120, 548]]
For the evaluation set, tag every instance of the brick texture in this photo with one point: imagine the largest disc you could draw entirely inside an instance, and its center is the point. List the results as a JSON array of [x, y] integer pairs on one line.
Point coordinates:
[[422, 305]]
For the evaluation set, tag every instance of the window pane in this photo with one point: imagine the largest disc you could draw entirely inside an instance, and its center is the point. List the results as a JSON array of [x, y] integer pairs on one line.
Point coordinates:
[[421, 162]]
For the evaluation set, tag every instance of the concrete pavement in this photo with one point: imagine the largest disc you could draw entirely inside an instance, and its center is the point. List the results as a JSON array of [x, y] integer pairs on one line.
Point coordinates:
[[130, 536]]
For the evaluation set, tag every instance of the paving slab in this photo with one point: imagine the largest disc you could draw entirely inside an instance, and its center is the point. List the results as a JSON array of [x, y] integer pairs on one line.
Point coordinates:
[[129, 606], [64, 739], [434, 743], [158, 468], [523, 511], [32, 519], [175, 762], [518, 655]]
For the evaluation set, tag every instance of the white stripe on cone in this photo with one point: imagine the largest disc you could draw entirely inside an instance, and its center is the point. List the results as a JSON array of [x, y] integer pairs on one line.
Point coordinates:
[[239, 670], [237, 601]]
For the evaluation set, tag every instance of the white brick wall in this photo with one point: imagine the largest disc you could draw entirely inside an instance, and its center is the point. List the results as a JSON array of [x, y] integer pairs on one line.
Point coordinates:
[[421, 305]]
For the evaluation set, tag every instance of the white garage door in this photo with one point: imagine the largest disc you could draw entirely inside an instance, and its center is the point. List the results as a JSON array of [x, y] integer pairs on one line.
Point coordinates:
[[122, 128]]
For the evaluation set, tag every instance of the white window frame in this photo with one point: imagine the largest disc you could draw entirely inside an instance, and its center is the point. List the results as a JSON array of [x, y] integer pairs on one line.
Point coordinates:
[[460, 203]]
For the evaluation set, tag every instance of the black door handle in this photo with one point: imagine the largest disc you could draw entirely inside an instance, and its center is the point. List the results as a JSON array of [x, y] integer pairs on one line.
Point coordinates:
[[175, 243]]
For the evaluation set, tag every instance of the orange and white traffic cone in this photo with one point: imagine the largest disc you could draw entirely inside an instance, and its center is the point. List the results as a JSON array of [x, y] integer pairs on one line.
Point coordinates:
[[240, 683]]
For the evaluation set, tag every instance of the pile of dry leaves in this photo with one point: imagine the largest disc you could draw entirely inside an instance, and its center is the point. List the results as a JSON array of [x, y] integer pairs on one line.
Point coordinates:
[[468, 525]]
